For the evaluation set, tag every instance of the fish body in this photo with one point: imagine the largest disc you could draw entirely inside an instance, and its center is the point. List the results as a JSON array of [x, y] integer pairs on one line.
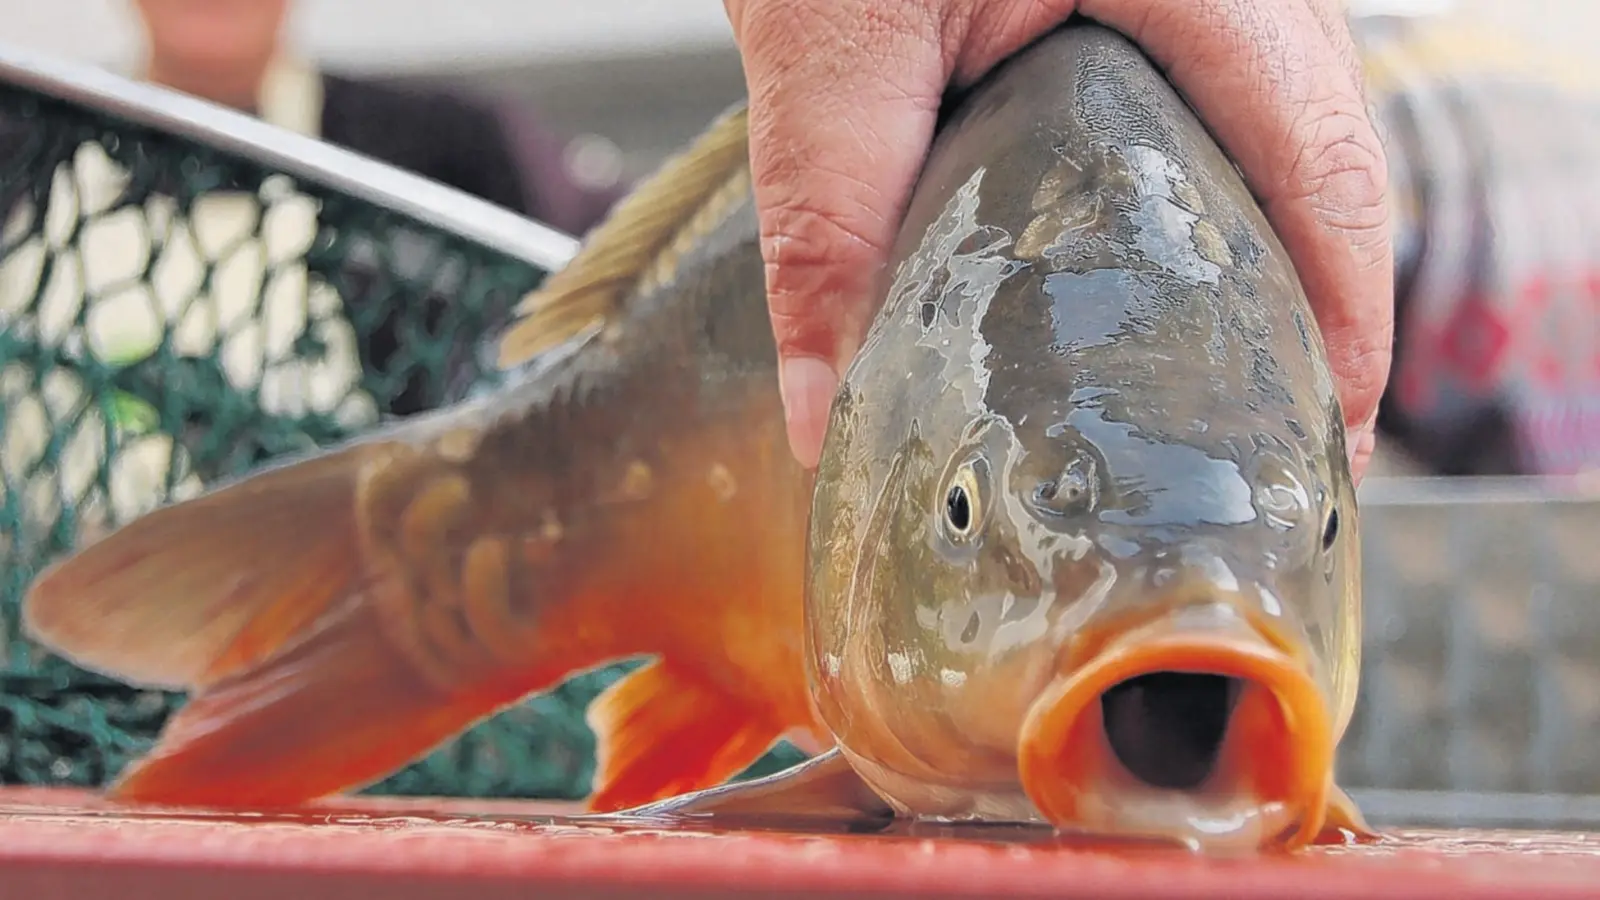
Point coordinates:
[[1084, 496]]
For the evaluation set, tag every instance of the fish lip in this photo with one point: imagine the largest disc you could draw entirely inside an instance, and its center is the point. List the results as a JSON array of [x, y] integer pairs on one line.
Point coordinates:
[[1064, 725]]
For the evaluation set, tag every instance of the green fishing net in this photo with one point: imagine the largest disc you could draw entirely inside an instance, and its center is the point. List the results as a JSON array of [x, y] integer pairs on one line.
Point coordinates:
[[172, 314]]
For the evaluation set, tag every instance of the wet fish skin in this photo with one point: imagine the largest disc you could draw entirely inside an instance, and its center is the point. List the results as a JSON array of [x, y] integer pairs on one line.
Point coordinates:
[[1089, 453]]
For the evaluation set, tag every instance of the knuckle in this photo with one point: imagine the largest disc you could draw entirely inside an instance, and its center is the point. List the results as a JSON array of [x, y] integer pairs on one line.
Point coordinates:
[[811, 255], [821, 272], [798, 332], [801, 235], [1338, 167], [977, 36]]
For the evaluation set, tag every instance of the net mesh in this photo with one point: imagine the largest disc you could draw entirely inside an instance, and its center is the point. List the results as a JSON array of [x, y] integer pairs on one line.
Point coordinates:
[[174, 315]]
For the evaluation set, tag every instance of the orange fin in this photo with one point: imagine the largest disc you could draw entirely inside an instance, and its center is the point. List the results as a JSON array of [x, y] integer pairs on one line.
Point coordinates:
[[1344, 823], [198, 590], [335, 711], [321, 653], [661, 732], [824, 786]]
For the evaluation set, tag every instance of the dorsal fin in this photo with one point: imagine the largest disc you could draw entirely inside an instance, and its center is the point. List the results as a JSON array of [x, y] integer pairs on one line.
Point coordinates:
[[639, 241]]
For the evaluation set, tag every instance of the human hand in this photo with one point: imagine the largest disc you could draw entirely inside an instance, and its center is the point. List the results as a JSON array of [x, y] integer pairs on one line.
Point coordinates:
[[843, 99]]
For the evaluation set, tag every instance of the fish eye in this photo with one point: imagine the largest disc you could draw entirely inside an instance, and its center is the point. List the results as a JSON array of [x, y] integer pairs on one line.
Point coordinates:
[[1330, 530], [962, 499], [958, 508]]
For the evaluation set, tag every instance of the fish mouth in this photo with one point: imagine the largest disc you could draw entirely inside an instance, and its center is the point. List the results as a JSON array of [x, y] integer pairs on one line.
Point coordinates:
[[1199, 728]]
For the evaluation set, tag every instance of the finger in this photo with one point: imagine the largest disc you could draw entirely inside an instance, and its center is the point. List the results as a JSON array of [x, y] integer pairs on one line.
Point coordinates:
[[1333, 15], [843, 99], [1272, 87], [1363, 442]]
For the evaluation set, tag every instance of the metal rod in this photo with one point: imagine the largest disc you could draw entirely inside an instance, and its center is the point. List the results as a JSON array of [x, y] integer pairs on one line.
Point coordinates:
[[282, 150]]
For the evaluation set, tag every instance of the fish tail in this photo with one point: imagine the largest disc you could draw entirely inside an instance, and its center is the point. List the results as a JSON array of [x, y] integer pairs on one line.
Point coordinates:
[[331, 619], [194, 592]]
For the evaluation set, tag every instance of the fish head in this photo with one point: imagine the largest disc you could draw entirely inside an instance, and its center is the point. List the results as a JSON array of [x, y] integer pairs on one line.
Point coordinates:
[[1198, 686], [1084, 542]]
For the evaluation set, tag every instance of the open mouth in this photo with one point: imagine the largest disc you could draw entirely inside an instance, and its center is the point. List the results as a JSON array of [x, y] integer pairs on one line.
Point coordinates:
[[1167, 728], [1196, 730]]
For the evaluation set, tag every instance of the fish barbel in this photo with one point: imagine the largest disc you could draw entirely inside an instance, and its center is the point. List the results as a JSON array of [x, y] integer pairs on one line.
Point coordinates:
[[1081, 549]]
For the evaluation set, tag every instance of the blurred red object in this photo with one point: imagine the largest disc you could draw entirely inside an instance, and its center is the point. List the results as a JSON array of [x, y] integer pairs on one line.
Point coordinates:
[[67, 845]]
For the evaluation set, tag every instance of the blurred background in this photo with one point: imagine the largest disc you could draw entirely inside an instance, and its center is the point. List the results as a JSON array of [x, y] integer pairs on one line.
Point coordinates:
[[642, 74], [176, 310]]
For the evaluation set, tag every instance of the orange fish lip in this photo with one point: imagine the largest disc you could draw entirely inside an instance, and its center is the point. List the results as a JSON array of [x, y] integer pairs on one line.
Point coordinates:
[[1271, 781]]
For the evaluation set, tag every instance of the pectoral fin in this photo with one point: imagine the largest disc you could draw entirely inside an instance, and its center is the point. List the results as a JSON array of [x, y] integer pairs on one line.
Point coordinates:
[[662, 731], [824, 786], [335, 712], [1344, 823]]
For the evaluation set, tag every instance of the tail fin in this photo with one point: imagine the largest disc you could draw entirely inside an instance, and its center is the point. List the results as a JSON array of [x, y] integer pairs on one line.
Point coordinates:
[[194, 592], [265, 600]]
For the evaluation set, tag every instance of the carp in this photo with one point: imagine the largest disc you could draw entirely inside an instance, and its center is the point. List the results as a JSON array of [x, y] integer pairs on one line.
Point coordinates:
[[1082, 547]]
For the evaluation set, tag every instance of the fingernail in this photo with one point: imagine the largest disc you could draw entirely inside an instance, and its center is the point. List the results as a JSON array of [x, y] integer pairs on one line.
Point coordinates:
[[1361, 446], [808, 385]]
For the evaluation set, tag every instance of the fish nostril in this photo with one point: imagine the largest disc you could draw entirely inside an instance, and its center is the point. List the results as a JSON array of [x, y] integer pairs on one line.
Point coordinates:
[[1072, 491], [1167, 728]]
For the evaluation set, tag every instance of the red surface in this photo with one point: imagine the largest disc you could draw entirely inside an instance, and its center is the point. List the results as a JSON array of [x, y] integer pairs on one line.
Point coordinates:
[[60, 844]]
